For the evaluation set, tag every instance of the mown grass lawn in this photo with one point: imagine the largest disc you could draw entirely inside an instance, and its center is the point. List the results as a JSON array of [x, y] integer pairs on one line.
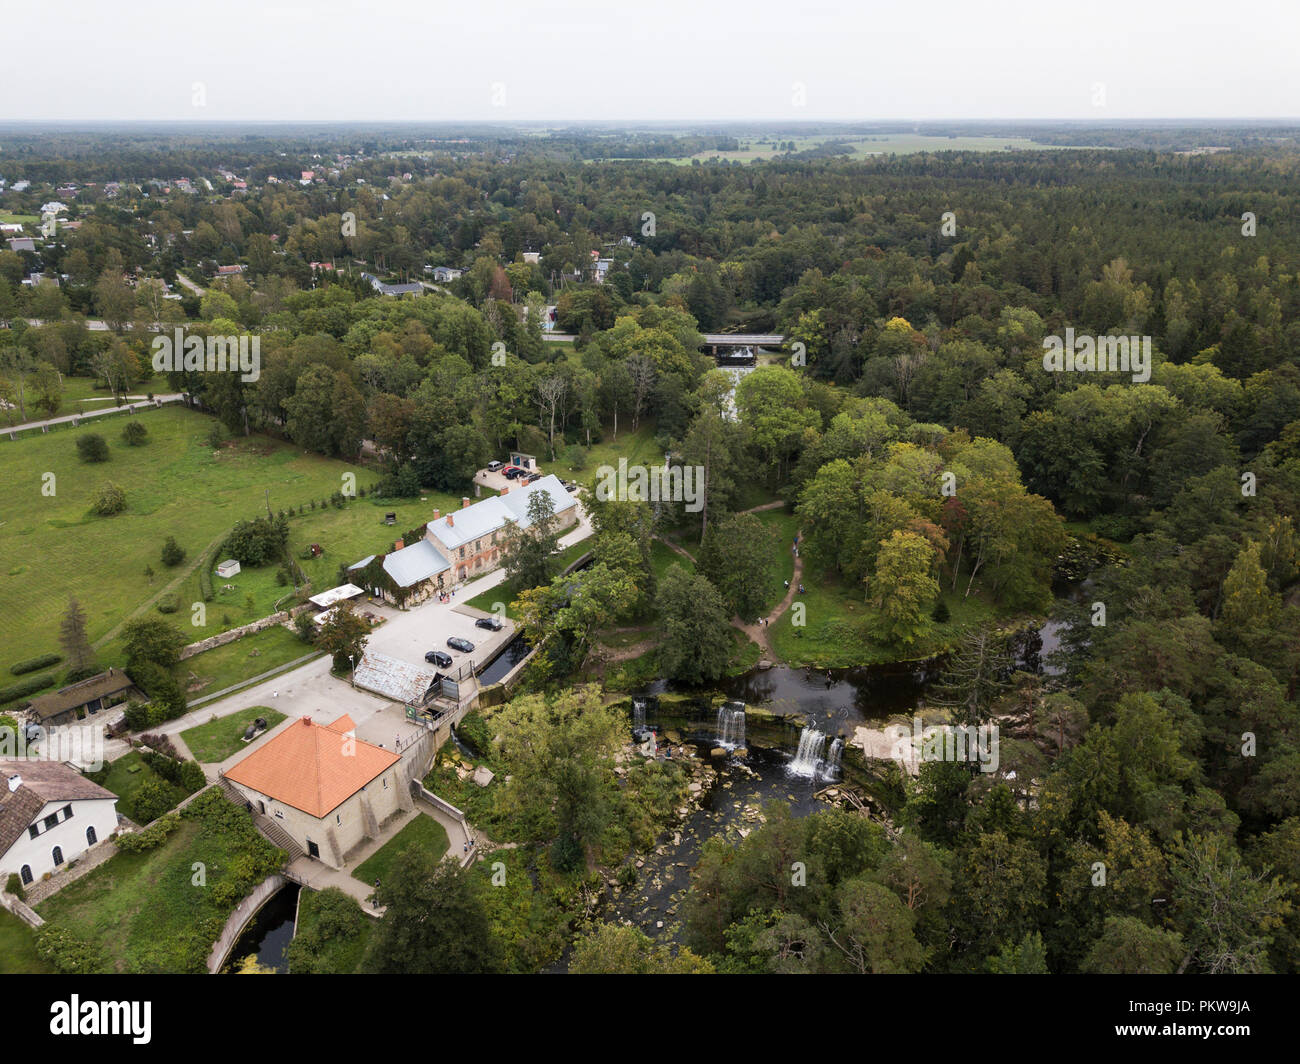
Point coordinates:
[[421, 834], [126, 776], [218, 739], [153, 911], [639, 448], [18, 954], [176, 485], [837, 623], [222, 667]]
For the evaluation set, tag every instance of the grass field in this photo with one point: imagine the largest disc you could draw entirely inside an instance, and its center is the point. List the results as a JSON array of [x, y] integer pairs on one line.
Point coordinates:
[[145, 911], [126, 776], [755, 149], [422, 833], [175, 485], [835, 632], [18, 948], [218, 739], [215, 670]]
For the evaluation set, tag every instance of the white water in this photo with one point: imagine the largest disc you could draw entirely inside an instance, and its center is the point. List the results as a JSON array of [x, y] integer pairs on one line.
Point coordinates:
[[638, 712], [808, 760], [731, 725], [832, 767]]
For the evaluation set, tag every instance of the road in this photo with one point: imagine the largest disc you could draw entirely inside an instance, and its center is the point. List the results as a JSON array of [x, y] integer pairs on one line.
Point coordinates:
[[138, 402]]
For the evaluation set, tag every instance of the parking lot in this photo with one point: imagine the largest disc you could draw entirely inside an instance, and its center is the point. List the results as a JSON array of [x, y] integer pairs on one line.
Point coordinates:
[[428, 626]]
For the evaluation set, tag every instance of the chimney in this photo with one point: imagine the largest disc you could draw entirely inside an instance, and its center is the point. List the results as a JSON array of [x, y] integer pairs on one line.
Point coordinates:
[[464, 502], [15, 781], [451, 520], [437, 514]]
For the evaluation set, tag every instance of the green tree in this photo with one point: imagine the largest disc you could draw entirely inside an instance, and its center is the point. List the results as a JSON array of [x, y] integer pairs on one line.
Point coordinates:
[[74, 641], [697, 642], [611, 949], [904, 589], [435, 922], [152, 640], [344, 636], [1127, 946], [739, 557]]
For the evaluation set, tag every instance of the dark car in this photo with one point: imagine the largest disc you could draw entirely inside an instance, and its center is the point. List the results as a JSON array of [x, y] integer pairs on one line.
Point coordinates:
[[463, 645], [531, 477], [492, 624], [437, 657], [512, 472]]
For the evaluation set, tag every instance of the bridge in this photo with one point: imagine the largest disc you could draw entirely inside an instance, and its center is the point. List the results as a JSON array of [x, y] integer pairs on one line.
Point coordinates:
[[712, 341]]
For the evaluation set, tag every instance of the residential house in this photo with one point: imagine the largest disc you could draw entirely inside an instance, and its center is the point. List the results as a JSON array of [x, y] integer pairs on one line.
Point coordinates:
[[445, 274], [50, 814], [77, 700], [327, 789], [417, 570]]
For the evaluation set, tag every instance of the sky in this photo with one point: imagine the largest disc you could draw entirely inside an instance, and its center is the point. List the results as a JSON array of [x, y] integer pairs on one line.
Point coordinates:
[[665, 60]]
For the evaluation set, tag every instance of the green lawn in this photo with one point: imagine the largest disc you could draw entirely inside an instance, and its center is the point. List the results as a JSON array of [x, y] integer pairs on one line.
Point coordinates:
[[222, 667], [639, 448], [175, 485], [18, 948], [836, 627], [125, 776], [160, 910], [218, 739], [422, 833]]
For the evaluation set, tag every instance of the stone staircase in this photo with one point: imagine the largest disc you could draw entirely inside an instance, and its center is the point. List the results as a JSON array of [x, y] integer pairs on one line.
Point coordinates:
[[272, 831]]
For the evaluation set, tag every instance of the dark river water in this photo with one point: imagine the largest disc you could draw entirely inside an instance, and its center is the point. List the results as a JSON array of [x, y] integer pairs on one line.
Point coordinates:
[[269, 934]]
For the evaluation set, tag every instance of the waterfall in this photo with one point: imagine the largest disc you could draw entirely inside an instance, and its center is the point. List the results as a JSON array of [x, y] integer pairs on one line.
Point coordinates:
[[832, 767], [638, 712], [731, 725], [808, 760]]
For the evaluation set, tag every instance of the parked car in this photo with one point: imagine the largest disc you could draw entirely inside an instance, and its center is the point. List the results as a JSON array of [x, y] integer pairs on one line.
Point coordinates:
[[463, 645], [492, 624], [512, 472], [531, 477], [494, 466], [439, 658]]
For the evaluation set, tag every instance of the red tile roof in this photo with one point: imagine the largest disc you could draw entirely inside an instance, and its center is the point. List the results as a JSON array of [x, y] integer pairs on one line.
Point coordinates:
[[312, 767]]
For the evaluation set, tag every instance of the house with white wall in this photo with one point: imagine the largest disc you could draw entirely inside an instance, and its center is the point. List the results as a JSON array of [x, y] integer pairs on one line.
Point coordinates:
[[50, 814]]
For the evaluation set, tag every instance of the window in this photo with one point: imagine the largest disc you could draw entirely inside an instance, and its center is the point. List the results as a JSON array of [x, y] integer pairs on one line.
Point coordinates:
[[67, 812], [34, 830], [58, 856], [338, 818], [385, 783], [279, 815], [91, 837], [27, 874], [51, 821]]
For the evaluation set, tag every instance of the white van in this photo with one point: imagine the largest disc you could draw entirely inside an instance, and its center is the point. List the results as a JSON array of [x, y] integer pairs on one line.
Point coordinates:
[[494, 466]]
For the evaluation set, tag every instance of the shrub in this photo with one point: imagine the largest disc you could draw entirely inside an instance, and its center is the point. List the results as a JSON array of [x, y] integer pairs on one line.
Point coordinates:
[[68, 953], [15, 886], [154, 835], [134, 434], [32, 664], [92, 447], [169, 603], [172, 553], [941, 612], [306, 627], [136, 715], [216, 435], [110, 500], [151, 799], [258, 541], [20, 690]]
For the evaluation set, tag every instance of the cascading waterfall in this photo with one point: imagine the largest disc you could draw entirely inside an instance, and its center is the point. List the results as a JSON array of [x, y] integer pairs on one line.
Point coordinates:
[[808, 760], [831, 769], [731, 725], [638, 712]]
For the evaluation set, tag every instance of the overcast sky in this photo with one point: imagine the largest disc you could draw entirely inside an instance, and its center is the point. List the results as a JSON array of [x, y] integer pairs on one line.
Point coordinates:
[[663, 59]]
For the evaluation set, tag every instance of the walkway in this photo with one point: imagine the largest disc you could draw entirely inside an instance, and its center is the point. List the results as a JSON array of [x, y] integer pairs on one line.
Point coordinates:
[[759, 633], [174, 397]]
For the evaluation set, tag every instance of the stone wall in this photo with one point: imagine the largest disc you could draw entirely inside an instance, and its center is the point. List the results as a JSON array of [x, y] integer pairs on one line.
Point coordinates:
[[212, 642]]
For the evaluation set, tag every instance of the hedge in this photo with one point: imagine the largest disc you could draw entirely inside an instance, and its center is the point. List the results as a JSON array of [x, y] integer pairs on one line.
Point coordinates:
[[21, 690], [32, 664]]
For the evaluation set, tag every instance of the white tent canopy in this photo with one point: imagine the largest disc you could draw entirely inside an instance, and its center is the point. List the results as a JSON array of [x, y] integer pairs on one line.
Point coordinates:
[[334, 595]]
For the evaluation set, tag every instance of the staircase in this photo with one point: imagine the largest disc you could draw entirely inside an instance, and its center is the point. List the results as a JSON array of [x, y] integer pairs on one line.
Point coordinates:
[[272, 831]]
